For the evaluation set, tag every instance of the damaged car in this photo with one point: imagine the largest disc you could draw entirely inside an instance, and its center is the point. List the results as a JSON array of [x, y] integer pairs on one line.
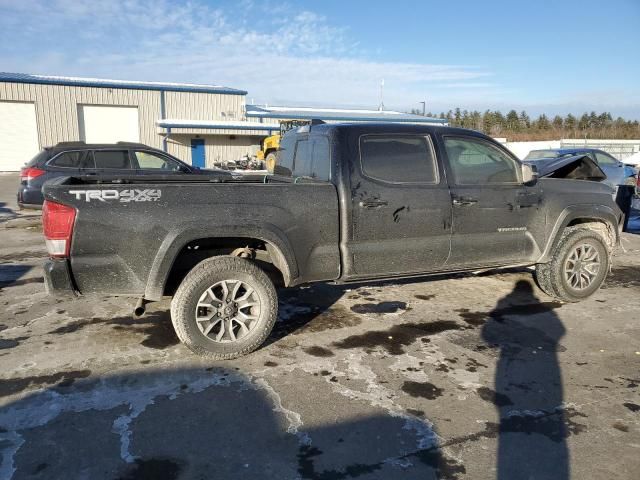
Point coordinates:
[[622, 178]]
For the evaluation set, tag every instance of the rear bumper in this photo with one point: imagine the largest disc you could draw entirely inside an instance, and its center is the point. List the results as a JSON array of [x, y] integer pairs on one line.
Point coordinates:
[[30, 197], [57, 278]]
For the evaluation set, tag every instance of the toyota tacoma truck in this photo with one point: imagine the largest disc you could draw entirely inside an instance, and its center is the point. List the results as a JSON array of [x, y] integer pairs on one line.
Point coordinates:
[[345, 203]]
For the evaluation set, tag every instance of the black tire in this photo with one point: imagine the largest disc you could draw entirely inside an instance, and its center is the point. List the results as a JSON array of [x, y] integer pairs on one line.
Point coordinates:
[[543, 279], [552, 276], [210, 272], [270, 162]]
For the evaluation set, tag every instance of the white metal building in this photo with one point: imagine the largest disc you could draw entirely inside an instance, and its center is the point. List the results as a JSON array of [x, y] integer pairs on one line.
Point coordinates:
[[38, 111], [200, 124]]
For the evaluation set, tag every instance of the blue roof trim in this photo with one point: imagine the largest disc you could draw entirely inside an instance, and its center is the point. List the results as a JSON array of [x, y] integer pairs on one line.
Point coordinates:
[[293, 115], [104, 83]]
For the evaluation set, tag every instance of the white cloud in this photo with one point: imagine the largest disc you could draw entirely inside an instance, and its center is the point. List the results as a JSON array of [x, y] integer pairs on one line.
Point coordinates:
[[289, 56]]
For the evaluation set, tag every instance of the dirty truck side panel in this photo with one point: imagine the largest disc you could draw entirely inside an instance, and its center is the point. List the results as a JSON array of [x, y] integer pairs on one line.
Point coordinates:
[[117, 245], [392, 228]]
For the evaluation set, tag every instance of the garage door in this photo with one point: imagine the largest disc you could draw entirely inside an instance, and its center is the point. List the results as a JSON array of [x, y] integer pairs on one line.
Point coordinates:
[[18, 135], [102, 124]]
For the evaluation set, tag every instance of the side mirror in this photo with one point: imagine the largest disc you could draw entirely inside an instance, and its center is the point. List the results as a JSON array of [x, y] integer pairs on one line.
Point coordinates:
[[529, 174]]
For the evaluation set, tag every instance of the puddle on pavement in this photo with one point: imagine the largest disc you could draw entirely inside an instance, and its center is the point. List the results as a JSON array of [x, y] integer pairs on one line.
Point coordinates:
[[422, 390], [317, 351], [63, 380], [398, 336], [156, 326], [425, 297], [381, 307], [153, 468], [498, 399], [479, 318], [623, 276]]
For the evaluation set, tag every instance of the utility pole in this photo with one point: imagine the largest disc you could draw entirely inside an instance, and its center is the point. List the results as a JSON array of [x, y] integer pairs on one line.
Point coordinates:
[[381, 106], [424, 108]]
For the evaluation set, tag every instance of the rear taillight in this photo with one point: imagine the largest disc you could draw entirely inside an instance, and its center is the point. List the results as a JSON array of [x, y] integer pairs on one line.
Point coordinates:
[[57, 224], [29, 173]]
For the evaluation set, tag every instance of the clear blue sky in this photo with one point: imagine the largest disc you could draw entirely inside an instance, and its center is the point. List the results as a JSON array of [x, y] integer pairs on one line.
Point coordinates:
[[541, 55]]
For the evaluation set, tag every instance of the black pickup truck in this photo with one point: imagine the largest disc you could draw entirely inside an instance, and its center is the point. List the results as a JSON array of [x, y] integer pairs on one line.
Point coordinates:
[[346, 203]]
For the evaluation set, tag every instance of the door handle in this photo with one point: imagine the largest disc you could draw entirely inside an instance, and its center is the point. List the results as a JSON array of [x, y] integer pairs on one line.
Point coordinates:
[[464, 201], [373, 203]]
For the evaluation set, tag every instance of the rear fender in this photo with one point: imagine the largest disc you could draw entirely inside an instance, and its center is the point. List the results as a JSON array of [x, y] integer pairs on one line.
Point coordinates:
[[278, 246]]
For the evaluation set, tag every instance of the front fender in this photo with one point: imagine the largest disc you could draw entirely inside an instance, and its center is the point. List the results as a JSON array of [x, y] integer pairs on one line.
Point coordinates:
[[178, 238], [582, 213]]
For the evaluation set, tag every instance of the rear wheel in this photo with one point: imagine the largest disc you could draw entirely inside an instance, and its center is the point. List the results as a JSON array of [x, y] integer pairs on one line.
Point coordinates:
[[271, 162], [578, 267], [224, 308]]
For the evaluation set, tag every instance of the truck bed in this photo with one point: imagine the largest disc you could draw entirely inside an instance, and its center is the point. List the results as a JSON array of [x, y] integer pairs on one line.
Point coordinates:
[[129, 230]]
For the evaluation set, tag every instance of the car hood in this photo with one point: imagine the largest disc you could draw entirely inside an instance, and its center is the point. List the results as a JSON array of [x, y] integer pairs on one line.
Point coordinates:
[[577, 167]]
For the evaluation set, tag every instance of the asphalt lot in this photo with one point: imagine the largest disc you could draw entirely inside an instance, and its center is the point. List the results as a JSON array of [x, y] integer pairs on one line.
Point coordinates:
[[472, 377]]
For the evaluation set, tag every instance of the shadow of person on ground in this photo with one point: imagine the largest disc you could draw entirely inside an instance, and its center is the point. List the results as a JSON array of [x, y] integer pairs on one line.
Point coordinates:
[[528, 393], [201, 422]]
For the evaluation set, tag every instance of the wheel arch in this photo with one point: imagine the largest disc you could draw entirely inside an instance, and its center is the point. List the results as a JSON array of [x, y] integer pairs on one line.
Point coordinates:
[[231, 237], [597, 217]]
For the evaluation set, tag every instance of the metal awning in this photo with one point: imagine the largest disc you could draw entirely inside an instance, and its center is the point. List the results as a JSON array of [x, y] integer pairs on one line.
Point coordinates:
[[339, 115], [217, 124]]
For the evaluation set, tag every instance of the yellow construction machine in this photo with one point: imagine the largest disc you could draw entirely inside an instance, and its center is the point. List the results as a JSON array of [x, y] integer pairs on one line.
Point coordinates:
[[270, 145]]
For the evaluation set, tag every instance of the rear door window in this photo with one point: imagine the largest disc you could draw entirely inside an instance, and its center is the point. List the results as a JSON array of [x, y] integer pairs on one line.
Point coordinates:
[[112, 159], [398, 158], [79, 159], [153, 161]]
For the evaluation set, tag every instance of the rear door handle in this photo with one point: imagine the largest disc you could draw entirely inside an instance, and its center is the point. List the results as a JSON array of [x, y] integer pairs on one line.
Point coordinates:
[[464, 201], [373, 203]]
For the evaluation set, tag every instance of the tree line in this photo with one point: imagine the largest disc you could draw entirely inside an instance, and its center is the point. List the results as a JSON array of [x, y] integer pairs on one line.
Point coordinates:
[[522, 127]]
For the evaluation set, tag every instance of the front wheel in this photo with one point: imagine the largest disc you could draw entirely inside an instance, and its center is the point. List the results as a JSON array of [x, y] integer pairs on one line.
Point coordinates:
[[224, 308], [578, 268]]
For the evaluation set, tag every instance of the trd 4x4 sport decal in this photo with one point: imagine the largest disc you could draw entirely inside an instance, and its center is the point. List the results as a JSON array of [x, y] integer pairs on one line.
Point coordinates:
[[124, 196]]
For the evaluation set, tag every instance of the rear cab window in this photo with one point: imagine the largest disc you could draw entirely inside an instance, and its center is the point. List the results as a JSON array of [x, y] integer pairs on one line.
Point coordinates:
[[112, 159], [312, 158], [304, 156], [398, 158]]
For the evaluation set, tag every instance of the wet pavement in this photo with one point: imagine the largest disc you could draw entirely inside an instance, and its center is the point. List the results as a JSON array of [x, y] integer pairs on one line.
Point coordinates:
[[470, 377]]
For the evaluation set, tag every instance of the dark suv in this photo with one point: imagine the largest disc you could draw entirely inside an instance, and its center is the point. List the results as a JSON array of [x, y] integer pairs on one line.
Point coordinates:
[[79, 159]]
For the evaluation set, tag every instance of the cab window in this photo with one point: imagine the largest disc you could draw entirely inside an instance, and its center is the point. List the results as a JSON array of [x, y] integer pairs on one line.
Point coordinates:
[[284, 162], [476, 162], [311, 158]]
